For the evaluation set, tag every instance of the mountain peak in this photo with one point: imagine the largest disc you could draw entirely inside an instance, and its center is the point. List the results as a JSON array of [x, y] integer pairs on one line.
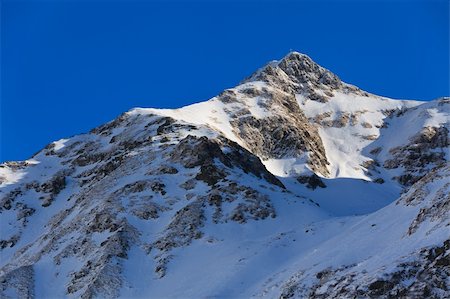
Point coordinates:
[[302, 69], [298, 73], [297, 58], [288, 169]]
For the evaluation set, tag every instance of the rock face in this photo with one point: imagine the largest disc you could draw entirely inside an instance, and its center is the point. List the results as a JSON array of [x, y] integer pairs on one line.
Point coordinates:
[[426, 149], [380, 139], [284, 132], [242, 195], [200, 151], [424, 277], [297, 73], [103, 193]]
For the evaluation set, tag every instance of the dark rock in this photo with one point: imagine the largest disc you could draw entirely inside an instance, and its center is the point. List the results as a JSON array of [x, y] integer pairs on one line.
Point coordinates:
[[378, 181], [167, 170], [210, 174], [420, 154], [7, 200], [166, 125], [312, 182], [201, 151], [158, 187]]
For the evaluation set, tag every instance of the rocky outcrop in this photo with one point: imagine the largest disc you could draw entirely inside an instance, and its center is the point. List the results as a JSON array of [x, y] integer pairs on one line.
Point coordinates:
[[18, 283], [425, 150], [418, 273], [148, 189], [298, 73], [312, 182], [283, 133], [435, 210], [53, 187], [193, 152], [107, 182], [424, 274]]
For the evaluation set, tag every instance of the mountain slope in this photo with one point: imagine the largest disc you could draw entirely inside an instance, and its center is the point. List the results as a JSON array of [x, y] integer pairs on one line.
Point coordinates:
[[408, 253], [255, 192]]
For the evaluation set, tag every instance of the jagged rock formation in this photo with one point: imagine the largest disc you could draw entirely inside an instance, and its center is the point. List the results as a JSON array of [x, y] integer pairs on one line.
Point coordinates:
[[284, 134], [420, 153], [117, 174], [298, 74], [241, 195]]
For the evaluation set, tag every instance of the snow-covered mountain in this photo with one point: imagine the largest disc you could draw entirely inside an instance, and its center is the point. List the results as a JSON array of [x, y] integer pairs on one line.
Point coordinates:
[[291, 184]]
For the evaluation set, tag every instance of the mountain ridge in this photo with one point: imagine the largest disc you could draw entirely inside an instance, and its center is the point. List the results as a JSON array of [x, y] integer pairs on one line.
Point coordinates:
[[238, 191]]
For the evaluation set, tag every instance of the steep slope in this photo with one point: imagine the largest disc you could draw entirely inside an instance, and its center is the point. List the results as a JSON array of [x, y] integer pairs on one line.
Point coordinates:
[[364, 136], [258, 191], [297, 116], [144, 184], [423, 144], [304, 123], [402, 250]]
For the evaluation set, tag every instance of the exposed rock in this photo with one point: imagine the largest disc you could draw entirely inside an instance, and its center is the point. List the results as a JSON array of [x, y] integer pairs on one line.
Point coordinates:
[[289, 135], [423, 277], [102, 169], [53, 187], [193, 151], [161, 266], [312, 182], [342, 120], [210, 174], [166, 125], [376, 151], [165, 169], [15, 165], [189, 184], [158, 187], [24, 211], [370, 137], [436, 209], [7, 200], [354, 117], [378, 181], [183, 228], [147, 212], [88, 154], [319, 118], [145, 186], [106, 129], [102, 277], [18, 283], [425, 149], [286, 132], [10, 242]]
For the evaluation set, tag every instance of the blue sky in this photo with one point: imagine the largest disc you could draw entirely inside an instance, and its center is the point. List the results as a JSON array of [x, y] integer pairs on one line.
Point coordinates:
[[68, 66]]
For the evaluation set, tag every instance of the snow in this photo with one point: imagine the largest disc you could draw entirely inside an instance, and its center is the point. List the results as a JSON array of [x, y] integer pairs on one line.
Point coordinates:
[[9, 176], [352, 221], [210, 113], [214, 113], [59, 144], [344, 145], [373, 242], [348, 197], [286, 167], [411, 122]]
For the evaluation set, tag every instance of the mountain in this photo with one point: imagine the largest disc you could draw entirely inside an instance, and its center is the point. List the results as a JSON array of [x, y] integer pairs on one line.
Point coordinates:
[[291, 184]]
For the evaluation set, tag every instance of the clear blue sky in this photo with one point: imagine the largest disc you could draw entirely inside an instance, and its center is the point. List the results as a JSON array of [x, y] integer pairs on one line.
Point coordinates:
[[68, 66]]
